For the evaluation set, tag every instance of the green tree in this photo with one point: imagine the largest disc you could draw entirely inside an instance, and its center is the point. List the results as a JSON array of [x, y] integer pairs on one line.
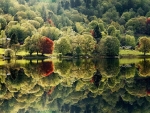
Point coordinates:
[[128, 40], [15, 48], [35, 23], [16, 34], [97, 33], [77, 3], [144, 45], [21, 1], [3, 23], [88, 3], [31, 14], [138, 25], [88, 44], [84, 42], [62, 45], [3, 42], [29, 46], [36, 39], [111, 30], [50, 32], [5, 5], [40, 20], [109, 46], [28, 28], [44, 13]]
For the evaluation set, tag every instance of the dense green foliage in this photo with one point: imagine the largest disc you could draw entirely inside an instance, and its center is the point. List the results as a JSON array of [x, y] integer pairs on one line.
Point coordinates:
[[56, 19]]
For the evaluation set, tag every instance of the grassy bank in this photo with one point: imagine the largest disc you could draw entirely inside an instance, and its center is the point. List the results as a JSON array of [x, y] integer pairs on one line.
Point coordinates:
[[122, 53], [132, 54]]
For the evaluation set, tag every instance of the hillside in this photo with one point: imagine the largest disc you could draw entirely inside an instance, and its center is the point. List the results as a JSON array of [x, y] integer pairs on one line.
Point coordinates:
[[74, 27]]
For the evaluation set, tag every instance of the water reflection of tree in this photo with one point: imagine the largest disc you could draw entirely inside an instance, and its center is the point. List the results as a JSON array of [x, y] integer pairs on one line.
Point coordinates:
[[144, 68], [108, 67], [118, 91]]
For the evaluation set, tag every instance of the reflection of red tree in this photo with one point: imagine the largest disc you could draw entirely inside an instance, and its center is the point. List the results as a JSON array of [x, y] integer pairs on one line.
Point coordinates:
[[92, 80], [148, 92], [46, 68], [51, 90]]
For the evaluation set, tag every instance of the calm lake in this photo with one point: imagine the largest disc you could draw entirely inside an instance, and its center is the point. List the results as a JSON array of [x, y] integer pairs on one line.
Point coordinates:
[[75, 86]]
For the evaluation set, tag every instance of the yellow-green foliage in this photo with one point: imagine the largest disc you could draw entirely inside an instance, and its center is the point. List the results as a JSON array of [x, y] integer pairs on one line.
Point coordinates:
[[40, 20], [50, 32], [21, 15], [35, 23], [79, 27], [8, 17]]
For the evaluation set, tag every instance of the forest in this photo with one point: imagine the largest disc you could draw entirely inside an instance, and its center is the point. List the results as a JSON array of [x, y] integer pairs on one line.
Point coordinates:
[[74, 27]]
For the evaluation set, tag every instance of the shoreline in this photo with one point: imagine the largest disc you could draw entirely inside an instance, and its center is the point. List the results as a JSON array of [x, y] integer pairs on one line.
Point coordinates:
[[28, 57]]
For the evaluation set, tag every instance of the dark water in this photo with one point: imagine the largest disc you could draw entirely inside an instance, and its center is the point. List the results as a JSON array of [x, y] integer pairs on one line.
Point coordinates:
[[75, 86]]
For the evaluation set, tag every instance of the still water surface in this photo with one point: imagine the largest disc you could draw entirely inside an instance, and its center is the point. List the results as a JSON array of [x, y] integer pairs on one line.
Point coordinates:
[[75, 86]]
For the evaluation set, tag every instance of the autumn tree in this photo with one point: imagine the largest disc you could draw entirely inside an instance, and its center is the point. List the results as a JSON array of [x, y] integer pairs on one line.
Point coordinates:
[[144, 45], [148, 25], [46, 45]]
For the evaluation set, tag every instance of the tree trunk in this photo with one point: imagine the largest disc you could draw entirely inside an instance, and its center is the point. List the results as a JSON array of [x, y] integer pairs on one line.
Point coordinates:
[[37, 53], [144, 53]]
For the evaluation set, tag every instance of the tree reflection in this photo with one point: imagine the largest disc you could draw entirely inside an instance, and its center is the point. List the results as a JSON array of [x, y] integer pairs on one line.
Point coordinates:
[[144, 68], [108, 67], [28, 88], [46, 68], [96, 78]]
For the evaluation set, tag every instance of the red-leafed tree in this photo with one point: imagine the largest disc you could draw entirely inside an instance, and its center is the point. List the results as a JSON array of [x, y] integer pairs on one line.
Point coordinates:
[[46, 68], [46, 45], [148, 25]]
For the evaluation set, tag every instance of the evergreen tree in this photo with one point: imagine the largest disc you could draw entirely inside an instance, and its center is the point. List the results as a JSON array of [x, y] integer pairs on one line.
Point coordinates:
[[72, 3], [97, 34], [87, 2], [94, 3], [43, 13], [77, 3]]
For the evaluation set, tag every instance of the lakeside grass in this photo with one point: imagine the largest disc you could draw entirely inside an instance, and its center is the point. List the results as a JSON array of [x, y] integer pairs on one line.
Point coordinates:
[[122, 52], [130, 59], [131, 52]]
